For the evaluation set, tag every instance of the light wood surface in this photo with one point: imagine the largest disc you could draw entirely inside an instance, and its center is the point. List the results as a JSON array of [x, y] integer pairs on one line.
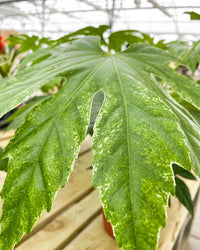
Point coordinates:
[[195, 231], [176, 214], [92, 238], [75, 222], [86, 145], [60, 231], [6, 136]]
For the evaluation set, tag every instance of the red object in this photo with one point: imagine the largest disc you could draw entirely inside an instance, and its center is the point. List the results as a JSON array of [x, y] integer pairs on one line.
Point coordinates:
[[1, 47], [2, 43], [108, 226]]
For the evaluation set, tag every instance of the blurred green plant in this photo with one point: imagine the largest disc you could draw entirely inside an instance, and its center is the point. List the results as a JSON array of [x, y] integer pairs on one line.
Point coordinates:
[[9, 59], [193, 15], [28, 43]]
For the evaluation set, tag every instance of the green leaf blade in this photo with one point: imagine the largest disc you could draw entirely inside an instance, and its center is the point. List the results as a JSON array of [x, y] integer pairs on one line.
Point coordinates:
[[184, 196], [137, 136], [188, 124], [48, 155], [36, 180], [183, 172], [132, 161]]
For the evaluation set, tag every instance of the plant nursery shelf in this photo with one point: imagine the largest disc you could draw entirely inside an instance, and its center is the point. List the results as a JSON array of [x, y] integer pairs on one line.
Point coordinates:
[[75, 221]]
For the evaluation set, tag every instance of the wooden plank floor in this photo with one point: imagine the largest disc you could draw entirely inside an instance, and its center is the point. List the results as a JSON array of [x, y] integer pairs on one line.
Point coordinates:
[[75, 221]]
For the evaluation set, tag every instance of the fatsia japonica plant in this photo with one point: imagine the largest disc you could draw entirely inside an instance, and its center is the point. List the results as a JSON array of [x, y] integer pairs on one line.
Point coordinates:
[[139, 133]]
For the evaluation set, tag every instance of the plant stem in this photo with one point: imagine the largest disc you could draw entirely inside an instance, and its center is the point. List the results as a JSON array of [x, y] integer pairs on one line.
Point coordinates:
[[183, 58]]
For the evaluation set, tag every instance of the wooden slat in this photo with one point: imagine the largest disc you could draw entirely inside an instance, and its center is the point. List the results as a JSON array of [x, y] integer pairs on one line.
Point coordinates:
[[195, 231], [86, 145], [3, 143], [6, 135], [176, 214], [64, 227], [94, 237]]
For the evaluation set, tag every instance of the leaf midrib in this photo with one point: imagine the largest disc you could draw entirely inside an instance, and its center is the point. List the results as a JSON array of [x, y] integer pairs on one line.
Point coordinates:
[[128, 143]]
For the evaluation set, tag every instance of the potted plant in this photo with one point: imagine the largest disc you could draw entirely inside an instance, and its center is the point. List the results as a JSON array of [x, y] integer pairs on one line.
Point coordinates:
[[140, 134]]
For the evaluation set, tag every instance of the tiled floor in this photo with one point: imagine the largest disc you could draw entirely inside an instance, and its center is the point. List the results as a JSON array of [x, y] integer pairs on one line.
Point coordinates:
[[194, 239]]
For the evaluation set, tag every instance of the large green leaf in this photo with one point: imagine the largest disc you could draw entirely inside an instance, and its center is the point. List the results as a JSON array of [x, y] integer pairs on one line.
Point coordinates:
[[139, 132]]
